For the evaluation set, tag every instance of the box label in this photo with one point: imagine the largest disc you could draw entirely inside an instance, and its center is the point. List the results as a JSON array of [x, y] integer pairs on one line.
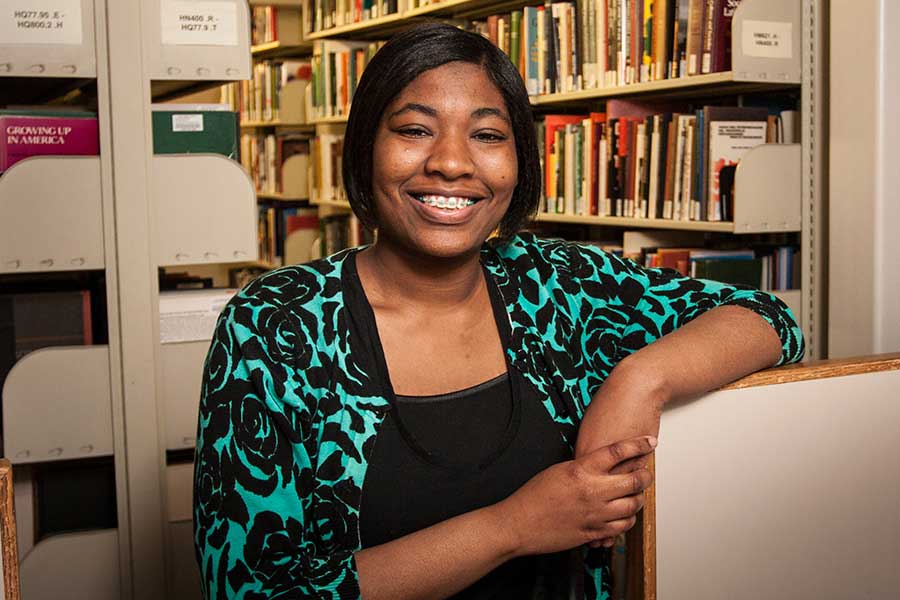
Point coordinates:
[[768, 39], [199, 23], [187, 122], [41, 22]]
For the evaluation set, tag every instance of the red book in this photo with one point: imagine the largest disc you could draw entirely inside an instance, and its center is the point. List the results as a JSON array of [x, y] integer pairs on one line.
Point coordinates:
[[598, 119], [31, 134], [721, 43], [552, 124]]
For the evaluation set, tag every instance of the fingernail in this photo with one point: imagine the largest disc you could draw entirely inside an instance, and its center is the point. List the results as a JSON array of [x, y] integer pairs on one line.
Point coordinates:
[[653, 441]]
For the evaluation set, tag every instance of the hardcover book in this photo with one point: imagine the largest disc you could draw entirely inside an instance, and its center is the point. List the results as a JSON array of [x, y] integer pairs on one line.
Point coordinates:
[[732, 132], [36, 133], [191, 129]]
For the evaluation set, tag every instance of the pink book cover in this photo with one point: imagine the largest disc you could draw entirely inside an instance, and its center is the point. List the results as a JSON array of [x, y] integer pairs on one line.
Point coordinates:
[[24, 136]]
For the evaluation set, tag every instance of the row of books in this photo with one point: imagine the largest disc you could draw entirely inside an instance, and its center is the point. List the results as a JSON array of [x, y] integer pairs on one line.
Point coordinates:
[[263, 25], [263, 156], [569, 46], [325, 14], [326, 156], [764, 268], [336, 69], [290, 235], [177, 129], [259, 98], [644, 160]]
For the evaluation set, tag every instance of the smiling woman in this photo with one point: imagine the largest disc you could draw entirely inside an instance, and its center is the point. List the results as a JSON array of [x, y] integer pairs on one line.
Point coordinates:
[[442, 415]]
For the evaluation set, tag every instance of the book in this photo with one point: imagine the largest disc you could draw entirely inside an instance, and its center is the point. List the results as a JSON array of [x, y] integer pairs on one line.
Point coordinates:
[[196, 128], [301, 229], [553, 145], [736, 272], [24, 134], [721, 45], [694, 48], [732, 131]]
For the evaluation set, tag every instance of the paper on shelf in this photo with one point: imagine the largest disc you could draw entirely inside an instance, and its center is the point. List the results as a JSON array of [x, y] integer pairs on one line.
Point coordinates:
[[767, 39], [41, 22], [190, 315], [192, 23]]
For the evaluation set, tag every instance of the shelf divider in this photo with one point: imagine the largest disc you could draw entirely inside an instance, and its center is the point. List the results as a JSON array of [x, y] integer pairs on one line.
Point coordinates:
[[80, 565], [205, 210], [767, 190], [766, 41], [51, 215], [57, 405]]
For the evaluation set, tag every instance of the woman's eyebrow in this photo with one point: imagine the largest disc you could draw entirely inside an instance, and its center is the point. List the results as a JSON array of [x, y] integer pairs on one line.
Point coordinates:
[[480, 113], [413, 106]]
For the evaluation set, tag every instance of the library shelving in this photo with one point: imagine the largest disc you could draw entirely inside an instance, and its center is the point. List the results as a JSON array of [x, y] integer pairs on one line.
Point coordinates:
[[276, 123], [332, 203], [120, 216], [777, 187], [766, 187]]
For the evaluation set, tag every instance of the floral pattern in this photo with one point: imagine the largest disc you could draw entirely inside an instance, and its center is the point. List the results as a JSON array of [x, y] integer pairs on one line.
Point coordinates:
[[290, 411]]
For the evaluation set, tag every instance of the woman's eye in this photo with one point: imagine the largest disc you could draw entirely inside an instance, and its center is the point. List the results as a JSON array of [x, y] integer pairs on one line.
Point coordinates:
[[413, 132], [490, 136]]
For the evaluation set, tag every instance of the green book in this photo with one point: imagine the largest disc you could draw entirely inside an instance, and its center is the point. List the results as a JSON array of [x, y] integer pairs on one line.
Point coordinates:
[[514, 44], [579, 168], [196, 128], [733, 271]]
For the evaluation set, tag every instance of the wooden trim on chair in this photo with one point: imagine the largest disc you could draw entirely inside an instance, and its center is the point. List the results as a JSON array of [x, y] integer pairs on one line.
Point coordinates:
[[8, 550]]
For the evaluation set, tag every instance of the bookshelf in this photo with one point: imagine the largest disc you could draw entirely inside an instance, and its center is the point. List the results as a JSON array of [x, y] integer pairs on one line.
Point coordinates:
[[122, 214], [766, 184], [777, 186]]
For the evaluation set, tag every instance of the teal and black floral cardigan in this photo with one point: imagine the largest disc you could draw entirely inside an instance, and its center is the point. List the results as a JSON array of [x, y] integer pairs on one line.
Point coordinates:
[[289, 414]]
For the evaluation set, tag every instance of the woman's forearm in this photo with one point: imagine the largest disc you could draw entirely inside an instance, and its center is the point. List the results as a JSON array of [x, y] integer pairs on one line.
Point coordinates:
[[714, 349], [438, 561]]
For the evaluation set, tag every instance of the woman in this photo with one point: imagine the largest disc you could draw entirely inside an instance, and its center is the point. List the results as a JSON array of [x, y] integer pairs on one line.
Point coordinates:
[[477, 366]]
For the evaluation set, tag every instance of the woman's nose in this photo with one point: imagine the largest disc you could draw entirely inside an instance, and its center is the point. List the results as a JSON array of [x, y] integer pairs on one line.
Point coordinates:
[[450, 156]]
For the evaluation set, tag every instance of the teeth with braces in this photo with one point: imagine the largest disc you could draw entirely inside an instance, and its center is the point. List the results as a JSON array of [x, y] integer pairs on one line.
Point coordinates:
[[449, 203]]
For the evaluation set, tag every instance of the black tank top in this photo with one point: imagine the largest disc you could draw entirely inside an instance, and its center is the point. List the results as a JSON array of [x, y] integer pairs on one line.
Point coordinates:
[[436, 457]]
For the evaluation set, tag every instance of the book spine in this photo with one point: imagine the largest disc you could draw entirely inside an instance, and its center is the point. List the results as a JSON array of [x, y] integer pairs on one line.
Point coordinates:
[[722, 37], [708, 27]]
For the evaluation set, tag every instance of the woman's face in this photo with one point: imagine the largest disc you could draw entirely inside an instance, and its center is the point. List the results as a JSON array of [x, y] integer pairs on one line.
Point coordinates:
[[444, 162]]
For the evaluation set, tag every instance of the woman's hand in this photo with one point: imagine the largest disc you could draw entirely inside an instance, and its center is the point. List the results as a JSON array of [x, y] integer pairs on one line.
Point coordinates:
[[594, 497]]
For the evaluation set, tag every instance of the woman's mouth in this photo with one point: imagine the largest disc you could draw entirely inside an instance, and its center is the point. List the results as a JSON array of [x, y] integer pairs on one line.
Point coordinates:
[[445, 202]]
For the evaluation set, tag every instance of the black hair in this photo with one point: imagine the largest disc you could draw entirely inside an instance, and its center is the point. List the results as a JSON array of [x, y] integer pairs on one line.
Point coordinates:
[[406, 56]]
